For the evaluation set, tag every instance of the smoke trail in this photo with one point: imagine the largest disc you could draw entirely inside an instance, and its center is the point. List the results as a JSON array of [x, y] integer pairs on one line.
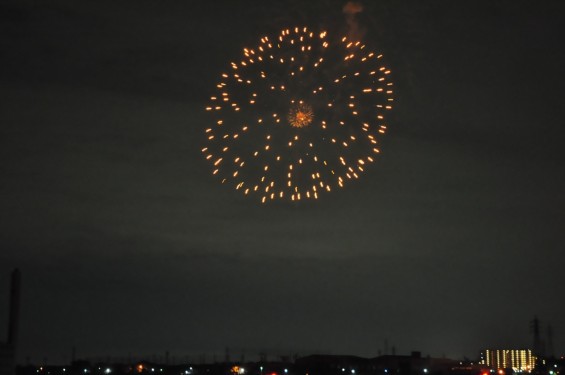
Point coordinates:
[[351, 9]]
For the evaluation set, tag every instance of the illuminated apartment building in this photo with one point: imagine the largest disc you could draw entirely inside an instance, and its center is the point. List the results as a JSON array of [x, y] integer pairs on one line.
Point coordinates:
[[519, 360]]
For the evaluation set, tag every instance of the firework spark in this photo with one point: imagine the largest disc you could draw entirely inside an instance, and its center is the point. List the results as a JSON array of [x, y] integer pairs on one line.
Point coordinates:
[[298, 115]]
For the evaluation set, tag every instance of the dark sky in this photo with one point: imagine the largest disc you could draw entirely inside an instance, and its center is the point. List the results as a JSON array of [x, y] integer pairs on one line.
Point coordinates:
[[452, 242]]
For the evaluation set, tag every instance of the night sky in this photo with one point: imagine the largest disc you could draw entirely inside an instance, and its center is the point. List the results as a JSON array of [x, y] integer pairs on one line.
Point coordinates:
[[450, 243]]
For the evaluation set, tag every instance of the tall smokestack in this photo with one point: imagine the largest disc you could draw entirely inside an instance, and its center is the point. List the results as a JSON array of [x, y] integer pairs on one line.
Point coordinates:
[[14, 309], [534, 326]]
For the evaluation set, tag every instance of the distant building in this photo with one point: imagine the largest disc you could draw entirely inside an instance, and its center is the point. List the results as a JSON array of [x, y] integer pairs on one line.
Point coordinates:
[[325, 364], [519, 360], [413, 364]]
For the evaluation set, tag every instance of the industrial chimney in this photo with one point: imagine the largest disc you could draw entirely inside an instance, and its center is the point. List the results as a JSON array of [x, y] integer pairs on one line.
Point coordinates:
[[8, 349]]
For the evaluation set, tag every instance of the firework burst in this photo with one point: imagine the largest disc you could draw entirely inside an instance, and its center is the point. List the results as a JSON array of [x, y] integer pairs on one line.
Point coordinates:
[[298, 115]]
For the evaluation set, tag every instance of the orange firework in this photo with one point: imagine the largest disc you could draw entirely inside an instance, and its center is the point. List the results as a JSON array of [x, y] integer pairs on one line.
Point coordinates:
[[335, 94], [300, 115]]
